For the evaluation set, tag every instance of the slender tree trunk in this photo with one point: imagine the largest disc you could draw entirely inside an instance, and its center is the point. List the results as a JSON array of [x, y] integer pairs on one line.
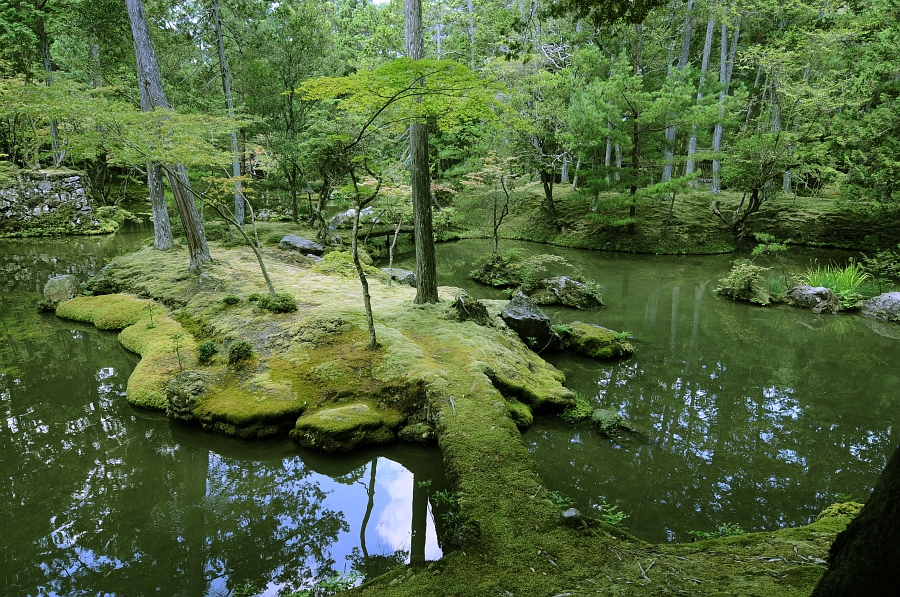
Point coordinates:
[[704, 67], [471, 35], [607, 159], [426, 267], [672, 129], [229, 103], [367, 299], [635, 136], [58, 155], [726, 67], [153, 96]]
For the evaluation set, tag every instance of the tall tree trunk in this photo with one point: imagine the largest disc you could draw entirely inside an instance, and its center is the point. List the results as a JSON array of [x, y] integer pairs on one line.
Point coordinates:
[[426, 267], [48, 67], [635, 135], [471, 35], [153, 96], [726, 67], [229, 103], [672, 129], [704, 67]]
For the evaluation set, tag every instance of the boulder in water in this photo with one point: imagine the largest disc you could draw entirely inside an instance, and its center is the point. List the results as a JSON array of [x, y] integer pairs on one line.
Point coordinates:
[[61, 288], [530, 323], [884, 306], [403, 276], [566, 291], [817, 298]]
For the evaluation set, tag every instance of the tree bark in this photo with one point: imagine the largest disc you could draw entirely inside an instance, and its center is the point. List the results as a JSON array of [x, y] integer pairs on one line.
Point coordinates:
[[865, 557], [48, 67], [426, 267], [153, 96], [672, 129], [704, 67], [229, 103], [726, 67]]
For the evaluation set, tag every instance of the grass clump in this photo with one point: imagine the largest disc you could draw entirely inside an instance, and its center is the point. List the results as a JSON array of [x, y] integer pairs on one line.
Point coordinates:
[[231, 299], [850, 284], [206, 351], [239, 351], [282, 302]]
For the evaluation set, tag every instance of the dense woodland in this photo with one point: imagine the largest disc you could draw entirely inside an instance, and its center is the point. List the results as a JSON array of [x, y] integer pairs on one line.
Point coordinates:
[[296, 105]]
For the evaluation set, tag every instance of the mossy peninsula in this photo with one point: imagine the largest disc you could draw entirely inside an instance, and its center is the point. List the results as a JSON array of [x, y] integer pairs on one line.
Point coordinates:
[[312, 375]]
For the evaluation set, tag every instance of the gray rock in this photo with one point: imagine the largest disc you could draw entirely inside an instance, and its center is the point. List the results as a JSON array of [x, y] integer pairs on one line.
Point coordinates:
[[529, 322], [884, 306], [817, 298], [417, 433], [61, 288], [565, 291], [573, 518], [404, 276], [469, 309], [292, 242]]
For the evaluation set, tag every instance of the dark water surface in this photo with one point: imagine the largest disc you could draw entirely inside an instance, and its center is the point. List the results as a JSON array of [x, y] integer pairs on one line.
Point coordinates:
[[754, 416], [100, 498]]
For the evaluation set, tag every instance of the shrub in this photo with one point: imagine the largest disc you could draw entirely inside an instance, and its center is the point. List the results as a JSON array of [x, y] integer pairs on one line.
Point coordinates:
[[746, 282], [240, 350], [206, 351], [282, 302], [723, 530], [254, 297], [231, 299]]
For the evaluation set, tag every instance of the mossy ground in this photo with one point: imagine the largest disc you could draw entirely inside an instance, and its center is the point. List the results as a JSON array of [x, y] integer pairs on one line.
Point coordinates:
[[475, 383], [693, 228]]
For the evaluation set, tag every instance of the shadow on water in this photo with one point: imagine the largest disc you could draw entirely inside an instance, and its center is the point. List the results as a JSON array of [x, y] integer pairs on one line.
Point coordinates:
[[754, 416], [102, 498]]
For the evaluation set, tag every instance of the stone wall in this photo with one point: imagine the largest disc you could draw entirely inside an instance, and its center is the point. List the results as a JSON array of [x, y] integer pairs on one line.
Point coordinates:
[[43, 202]]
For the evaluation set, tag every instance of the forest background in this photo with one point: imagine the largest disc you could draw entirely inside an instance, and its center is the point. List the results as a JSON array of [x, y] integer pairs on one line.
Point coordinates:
[[586, 119]]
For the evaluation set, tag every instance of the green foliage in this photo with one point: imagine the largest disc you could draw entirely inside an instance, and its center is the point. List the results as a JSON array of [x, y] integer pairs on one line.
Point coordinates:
[[723, 530], [561, 500], [563, 330], [452, 516], [282, 302], [611, 513], [746, 282], [246, 589], [622, 336], [884, 264], [205, 352], [580, 411], [231, 299], [767, 245], [850, 284], [254, 297], [176, 348], [241, 350], [843, 498]]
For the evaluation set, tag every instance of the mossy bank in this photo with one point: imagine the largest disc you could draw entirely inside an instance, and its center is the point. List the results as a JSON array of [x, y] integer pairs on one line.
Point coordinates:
[[310, 373]]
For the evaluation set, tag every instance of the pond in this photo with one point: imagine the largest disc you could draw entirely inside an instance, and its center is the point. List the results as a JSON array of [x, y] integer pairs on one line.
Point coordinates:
[[757, 417], [101, 498]]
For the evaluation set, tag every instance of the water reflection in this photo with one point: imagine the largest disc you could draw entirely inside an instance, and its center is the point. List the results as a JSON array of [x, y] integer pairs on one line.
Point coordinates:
[[98, 497], [753, 416]]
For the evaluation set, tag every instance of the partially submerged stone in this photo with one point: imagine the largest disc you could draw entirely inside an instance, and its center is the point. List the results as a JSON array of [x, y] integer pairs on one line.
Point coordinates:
[[346, 427], [417, 433], [61, 288], [573, 518], [596, 341], [521, 414], [608, 422], [566, 291], [292, 242], [884, 306], [182, 392], [532, 325], [816, 298]]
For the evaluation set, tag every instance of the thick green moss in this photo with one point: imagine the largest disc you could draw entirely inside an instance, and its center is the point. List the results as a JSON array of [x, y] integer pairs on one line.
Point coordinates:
[[344, 428], [596, 342]]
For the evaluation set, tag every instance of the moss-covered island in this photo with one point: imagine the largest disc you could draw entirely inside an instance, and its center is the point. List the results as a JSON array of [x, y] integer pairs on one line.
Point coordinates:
[[310, 374]]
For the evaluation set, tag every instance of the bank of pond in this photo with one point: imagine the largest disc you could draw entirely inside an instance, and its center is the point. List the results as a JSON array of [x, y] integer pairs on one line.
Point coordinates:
[[743, 418]]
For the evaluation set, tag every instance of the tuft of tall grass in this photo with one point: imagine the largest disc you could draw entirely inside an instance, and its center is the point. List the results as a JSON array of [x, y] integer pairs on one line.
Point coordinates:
[[850, 284]]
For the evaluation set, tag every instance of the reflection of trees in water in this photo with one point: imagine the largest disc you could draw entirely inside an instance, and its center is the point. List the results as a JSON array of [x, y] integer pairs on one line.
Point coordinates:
[[758, 416]]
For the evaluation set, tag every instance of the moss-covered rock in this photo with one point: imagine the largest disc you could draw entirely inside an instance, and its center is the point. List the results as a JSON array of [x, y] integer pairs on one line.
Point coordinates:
[[346, 427], [596, 342], [521, 414], [568, 292], [417, 433]]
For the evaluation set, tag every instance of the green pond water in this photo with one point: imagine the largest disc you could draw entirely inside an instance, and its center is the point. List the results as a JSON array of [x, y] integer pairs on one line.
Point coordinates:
[[100, 498], [753, 416]]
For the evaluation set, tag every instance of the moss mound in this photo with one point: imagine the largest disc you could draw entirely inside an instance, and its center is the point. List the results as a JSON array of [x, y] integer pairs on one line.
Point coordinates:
[[596, 342], [344, 428]]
